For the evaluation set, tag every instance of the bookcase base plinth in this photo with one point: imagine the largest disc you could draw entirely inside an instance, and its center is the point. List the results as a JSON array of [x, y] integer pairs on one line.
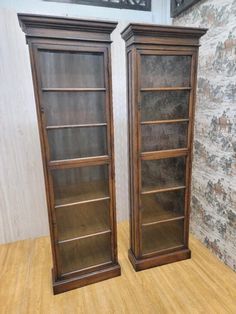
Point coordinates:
[[149, 262], [60, 286]]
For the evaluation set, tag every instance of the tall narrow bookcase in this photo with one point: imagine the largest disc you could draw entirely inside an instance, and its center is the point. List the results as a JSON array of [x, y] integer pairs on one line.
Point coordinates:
[[162, 67], [71, 70]]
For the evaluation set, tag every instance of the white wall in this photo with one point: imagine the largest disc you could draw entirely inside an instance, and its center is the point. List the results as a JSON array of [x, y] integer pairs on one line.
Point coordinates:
[[22, 198]]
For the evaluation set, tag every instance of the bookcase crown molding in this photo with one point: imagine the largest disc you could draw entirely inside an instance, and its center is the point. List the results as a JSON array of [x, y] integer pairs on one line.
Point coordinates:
[[136, 33], [35, 25]]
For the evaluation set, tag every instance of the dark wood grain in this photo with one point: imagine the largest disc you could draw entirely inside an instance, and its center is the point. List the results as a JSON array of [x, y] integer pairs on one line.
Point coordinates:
[[70, 61], [162, 70]]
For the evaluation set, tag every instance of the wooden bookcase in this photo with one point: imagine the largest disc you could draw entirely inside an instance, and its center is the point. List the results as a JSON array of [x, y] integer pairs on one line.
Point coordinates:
[[162, 67], [71, 70]]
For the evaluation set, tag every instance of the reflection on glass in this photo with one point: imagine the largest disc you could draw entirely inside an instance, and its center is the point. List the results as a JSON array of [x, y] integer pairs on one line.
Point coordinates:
[[164, 105], [74, 108], [82, 219], [80, 184], [164, 136], [160, 71], [163, 173], [87, 252], [69, 143], [161, 206], [71, 69], [162, 236]]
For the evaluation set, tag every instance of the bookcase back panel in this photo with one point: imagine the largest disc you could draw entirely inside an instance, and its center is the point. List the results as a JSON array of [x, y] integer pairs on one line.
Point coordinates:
[[163, 173], [63, 108], [161, 206], [80, 184], [77, 142], [157, 137], [71, 69], [162, 236], [159, 71], [164, 105], [75, 220], [83, 253]]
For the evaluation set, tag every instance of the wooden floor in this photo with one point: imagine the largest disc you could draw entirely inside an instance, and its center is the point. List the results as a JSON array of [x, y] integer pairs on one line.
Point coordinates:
[[200, 285]]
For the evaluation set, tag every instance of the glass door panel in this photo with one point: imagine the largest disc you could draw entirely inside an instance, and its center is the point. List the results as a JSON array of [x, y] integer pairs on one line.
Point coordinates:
[[162, 206], [78, 142], [165, 71], [71, 69], [164, 105], [164, 136], [62, 108], [163, 173], [80, 184], [82, 219], [79, 254], [162, 236]]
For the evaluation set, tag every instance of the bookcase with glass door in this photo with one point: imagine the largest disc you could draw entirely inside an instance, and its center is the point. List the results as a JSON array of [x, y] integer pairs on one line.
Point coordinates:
[[162, 67], [71, 70]]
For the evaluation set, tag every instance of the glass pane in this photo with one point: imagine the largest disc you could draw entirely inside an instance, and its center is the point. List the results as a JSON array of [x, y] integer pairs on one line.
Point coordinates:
[[160, 71], [161, 206], [163, 173], [71, 69], [79, 254], [80, 184], [74, 108], [167, 105], [80, 142], [162, 236], [164, 136], [82, 219]]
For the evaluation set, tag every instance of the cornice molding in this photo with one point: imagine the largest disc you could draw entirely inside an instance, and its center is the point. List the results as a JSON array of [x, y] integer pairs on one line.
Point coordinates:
[[154, 30], [33, 25]]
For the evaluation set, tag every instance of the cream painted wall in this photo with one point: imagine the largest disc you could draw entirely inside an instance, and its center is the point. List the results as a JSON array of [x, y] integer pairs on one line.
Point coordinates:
[[23, 211]]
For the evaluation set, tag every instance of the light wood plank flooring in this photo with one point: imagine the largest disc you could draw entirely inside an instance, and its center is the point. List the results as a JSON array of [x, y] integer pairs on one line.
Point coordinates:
[[200, 285]]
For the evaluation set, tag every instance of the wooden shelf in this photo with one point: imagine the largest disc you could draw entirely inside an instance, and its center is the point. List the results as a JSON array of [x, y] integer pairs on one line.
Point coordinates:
[[161, 154], [164, 121], [159, 190], [54, 127], [80, 193], [163, 220], [61, 89], [77, 162], [85, 236], [157, 89], [83, 202]]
